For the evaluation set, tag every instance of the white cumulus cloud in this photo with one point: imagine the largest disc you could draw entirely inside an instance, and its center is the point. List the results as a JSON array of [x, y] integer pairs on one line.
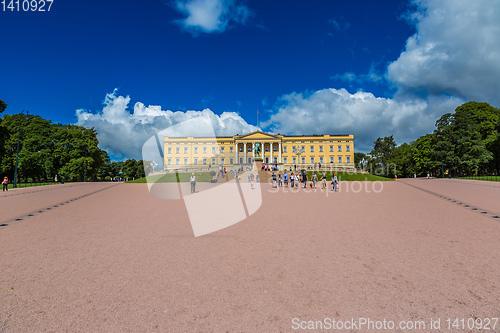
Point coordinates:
[[122, 133], [336, 111], [210, 16], [455, 51]]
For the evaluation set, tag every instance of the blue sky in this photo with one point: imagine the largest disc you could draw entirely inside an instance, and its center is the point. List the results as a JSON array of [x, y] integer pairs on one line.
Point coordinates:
[[129, 68]]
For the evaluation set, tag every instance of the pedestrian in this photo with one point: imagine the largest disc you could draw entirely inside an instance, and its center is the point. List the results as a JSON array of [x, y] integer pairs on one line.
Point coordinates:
[[280, 180], [250, 179], [235, 174], [297, 180], [315, 179], [304, 178], [335, 182], [292, 179], [263, 166], [5, 184], [285, 178], [323, 180], [274, 180], [192, 180]]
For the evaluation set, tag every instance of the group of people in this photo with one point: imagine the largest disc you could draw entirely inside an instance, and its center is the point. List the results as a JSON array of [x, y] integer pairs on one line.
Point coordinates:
[[295, 179], [273, 167]]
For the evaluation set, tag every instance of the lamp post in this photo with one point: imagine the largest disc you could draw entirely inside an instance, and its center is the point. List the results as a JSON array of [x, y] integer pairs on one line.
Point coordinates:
[[297, 152], [17, 155]]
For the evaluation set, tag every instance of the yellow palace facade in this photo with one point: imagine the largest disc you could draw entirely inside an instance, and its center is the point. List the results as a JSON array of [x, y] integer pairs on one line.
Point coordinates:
[[285, 151]]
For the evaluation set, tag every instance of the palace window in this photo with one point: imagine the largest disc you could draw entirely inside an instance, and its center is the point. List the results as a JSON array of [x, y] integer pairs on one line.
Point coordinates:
[[222, 160], [204, 160], [231, 150], [177, 161], [169, 161], [185, 161], [303, 160], [213, 150], [320, 149], [231, 161], [339, 148], [177, 150], [312, 159], [331, 148], [266, 148], [196, 160], [312, 149], [204, 150], [294, 159], [284, 149], [275, 148], [285, 160], [331, 159], [347, 148], [321, 159], [185, 150], [196, 150], [249, 148], [348, 159], [303, 148], [169, 150], [213, 160], [241, 149], [222, 150], [340, 159]]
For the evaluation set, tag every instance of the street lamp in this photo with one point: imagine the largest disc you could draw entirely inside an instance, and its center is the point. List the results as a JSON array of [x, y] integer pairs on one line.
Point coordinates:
[[298, 152], [17, 155]]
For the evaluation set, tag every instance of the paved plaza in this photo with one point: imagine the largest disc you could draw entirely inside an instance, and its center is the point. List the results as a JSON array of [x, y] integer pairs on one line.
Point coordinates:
[[110, 257]]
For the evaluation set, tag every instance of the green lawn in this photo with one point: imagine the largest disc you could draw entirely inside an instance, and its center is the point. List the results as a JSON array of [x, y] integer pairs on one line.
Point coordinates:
[[201, 177], [204, 177], [486, 178], [22, 185]]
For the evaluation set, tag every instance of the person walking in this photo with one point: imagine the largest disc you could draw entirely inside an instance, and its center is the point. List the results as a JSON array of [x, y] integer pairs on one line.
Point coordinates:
[[335, 182], [297, 180], [280, 180], [5, 184], [323, 181], [285, 179], [192, 181], [292, 179], [274, 180], [251, 179], [304, 178], [315, 179]]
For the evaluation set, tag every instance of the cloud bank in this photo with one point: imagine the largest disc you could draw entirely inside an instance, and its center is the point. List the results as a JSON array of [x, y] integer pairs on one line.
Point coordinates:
[[453, 57], [211, 16], [122, 133]]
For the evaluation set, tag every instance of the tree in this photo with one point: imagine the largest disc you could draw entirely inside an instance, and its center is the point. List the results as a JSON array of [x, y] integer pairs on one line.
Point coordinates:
[[381, 155], [3, 106]]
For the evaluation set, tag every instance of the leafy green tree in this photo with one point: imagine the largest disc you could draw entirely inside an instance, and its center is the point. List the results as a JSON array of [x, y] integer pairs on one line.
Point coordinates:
[[3, 106], [381, 156]]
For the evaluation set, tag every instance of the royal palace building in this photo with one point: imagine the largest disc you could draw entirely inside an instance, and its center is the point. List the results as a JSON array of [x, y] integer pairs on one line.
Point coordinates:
[[240, 150]]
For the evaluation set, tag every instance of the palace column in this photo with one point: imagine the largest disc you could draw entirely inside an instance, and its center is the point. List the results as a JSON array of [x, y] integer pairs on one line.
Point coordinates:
[[236, 161], [271, 152], [245, 153], [279, 152]]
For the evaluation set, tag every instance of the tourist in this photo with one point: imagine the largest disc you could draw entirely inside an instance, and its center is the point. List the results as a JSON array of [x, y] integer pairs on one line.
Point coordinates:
[[274, 180], [192, 180], [314, 179], [292, 179], [323, 180], [5, 184], [304, 178], [263, 166], [250, 179], [285, 179], [335, 182], [297, 180], [280, 180]]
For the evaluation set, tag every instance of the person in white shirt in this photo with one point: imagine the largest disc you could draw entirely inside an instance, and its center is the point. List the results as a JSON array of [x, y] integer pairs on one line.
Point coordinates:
[[192, 180]]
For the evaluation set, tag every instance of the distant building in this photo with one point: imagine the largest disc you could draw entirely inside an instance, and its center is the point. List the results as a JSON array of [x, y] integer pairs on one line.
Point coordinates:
[[286, 151]]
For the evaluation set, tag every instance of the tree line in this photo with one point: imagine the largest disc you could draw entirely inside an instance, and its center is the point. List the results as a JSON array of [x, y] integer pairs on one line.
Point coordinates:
[[466, 142], [49, 151]]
